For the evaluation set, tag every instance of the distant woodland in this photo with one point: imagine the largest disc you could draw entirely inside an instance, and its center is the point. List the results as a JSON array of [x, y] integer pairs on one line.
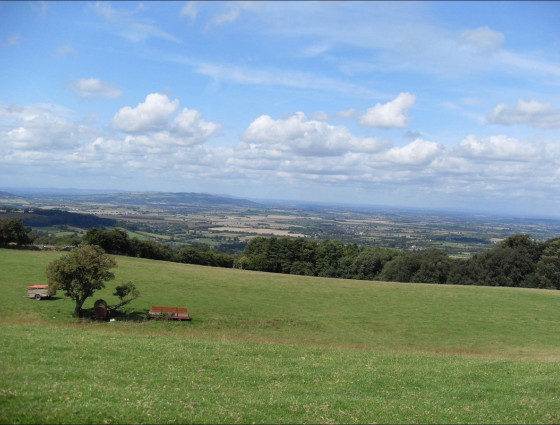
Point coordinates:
[[37, 217]]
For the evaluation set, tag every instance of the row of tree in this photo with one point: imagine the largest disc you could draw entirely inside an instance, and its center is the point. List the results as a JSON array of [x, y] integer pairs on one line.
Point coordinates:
[[517, 261], [117, 241]]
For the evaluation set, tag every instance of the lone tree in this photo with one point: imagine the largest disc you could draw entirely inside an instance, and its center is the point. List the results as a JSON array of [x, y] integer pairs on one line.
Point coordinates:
[[126, 293], [81, 273]]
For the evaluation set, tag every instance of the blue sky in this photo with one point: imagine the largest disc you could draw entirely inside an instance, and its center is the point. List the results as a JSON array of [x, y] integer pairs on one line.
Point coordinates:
[[421, 104]]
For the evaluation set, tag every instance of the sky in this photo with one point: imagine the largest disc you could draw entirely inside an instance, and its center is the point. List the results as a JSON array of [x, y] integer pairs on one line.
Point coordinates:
[[417, 104]]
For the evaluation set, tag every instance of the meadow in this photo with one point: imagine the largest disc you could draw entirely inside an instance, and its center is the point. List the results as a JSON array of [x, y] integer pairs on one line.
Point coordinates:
[[271, 348]]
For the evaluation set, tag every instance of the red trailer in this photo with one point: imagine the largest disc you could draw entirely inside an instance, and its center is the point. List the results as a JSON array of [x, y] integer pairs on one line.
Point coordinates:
[[170, 313]]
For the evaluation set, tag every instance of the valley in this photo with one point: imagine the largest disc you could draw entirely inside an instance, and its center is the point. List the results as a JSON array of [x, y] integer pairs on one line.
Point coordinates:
[[227, 224]]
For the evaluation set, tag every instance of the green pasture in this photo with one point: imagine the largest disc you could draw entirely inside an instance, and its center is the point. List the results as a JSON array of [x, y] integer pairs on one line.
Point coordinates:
[[139, 234], [59, 232], [269, 348]]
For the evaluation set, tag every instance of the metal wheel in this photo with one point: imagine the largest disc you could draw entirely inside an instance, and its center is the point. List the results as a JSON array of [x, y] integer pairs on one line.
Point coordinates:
[[38, 297]]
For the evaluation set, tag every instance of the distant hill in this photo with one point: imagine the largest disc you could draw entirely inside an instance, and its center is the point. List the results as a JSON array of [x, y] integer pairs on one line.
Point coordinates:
[[41, 197], [168, 199], [8, 195], [7, 198]]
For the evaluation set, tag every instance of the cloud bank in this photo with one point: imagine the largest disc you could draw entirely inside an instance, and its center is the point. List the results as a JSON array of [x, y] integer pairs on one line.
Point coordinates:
[[531, 113], [157, 137]]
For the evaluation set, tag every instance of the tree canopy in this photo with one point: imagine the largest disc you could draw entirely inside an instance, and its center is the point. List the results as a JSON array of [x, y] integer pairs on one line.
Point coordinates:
[[13, 230], [80, 273]]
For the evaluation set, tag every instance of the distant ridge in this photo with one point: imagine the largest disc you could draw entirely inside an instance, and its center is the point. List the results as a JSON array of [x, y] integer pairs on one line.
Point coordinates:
[[169, 199], [7, 195], [179, 199]]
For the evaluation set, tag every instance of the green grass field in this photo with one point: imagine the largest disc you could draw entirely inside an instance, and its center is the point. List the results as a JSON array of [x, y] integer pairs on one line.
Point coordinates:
[[269, 348]]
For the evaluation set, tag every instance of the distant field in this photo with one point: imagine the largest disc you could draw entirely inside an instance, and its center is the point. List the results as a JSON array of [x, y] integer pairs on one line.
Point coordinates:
[[146, 235], [270, 348], [275, 232]]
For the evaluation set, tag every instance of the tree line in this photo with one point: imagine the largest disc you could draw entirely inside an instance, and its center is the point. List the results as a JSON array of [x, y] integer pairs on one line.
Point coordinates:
[[517, 261], [38, 217]]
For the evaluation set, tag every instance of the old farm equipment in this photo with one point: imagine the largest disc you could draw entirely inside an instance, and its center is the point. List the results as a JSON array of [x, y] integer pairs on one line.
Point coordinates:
[[39, 292], [169, 313], [100, 310]]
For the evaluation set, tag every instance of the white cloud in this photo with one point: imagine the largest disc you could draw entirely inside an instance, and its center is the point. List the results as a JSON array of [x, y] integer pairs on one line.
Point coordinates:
[[294, 150], [93, 87], [418, 152], [392, 114], [532, 113], [497, 147], [299, 135], [151, 115], [189, 123], [153, 126], [482, 40], [39, 127]]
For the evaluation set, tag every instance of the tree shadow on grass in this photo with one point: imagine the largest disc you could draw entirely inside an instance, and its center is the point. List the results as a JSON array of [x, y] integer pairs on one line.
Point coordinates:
[[130, 315], [117, 315], [51, 298]]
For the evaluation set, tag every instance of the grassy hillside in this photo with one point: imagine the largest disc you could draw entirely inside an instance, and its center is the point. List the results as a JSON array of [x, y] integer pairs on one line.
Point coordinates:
[[278, 349]]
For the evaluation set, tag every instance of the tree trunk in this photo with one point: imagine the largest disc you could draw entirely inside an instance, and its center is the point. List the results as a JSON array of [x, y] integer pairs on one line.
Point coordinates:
[[78, 308]]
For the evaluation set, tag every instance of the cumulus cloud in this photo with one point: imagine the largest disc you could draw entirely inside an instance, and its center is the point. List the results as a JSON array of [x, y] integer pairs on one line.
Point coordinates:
[[298, 134], [40, 127], [531, 113], [152, 114], [151, 123], [418, 152], [189, 122], [392, 114], [88, 88], [167, 142], [482, 40], [497, 147]]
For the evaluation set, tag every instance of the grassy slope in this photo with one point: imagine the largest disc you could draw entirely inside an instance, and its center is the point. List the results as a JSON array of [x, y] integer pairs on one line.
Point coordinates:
[[278, 348]]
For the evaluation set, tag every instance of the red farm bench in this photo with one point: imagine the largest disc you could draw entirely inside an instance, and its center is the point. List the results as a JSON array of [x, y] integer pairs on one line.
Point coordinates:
[[170, 313]]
